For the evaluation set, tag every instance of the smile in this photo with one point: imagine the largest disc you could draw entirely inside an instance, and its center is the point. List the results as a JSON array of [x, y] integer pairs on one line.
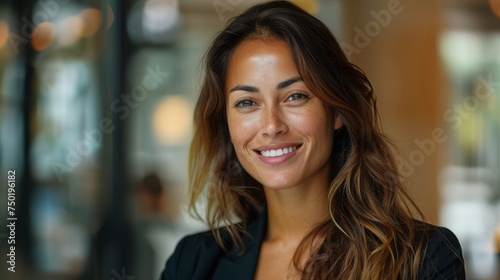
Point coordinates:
[[278, 152]]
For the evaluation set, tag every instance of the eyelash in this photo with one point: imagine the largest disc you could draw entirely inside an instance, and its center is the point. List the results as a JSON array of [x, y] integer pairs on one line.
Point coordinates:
[[300, 94], [240, 103]]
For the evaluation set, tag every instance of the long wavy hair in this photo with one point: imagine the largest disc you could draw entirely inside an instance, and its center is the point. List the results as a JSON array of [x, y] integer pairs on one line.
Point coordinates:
[[371, 232]]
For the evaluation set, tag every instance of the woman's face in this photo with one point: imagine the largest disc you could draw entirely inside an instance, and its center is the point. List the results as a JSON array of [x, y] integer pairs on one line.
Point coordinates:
[[281, 132]]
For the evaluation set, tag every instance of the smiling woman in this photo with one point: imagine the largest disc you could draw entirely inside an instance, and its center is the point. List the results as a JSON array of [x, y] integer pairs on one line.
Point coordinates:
[[318, 195]]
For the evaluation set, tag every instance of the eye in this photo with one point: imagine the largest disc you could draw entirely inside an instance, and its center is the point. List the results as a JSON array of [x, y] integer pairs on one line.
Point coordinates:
[[297, 96], [245, 103]]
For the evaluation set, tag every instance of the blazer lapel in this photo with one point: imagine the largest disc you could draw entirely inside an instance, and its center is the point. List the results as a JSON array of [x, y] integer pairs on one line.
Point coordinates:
[[242, 267]]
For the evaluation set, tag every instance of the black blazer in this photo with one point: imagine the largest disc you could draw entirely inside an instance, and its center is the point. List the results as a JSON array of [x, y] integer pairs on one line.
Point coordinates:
[[199, 257]]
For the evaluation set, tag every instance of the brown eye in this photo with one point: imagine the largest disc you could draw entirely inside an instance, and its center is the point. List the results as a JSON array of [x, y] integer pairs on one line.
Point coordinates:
[[297, 96]]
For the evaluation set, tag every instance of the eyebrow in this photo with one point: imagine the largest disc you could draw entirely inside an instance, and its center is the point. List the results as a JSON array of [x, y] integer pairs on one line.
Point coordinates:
[[281, 85]]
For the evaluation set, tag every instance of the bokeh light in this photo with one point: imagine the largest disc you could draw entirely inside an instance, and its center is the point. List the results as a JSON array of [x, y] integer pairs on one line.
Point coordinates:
[[43, 36], [70, 30], [110, 17], [159, 16], [495, 7], [497, 239], [91, 19], [4, 33], [172, 120]]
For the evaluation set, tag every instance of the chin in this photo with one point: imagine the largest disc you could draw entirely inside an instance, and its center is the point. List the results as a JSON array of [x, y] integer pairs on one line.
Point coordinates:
[[278, 184]]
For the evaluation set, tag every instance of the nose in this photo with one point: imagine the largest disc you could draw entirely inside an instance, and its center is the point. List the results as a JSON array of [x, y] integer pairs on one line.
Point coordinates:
[[273, 122]]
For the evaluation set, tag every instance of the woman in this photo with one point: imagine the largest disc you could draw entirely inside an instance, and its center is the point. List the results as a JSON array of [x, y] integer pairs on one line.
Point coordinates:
[[318, 195]]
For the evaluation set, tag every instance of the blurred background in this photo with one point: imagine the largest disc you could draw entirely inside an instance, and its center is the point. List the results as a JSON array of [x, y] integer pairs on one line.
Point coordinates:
[[96, 103]]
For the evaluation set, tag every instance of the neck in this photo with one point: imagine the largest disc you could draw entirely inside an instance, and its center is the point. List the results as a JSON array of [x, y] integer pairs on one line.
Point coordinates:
[[293, 212]]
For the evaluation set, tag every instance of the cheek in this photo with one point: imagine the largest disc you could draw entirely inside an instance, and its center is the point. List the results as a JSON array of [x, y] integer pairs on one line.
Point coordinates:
[[314, 123], [241, 128]]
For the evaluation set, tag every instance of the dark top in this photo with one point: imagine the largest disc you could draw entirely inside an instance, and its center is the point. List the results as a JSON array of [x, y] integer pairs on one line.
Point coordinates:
[[198, 256]]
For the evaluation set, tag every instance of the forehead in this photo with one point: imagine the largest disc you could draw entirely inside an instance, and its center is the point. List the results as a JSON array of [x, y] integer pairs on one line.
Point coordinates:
[[256, 59], [253, 47]]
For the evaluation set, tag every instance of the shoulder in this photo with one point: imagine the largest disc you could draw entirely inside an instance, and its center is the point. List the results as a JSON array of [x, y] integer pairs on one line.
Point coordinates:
[[199, 255], [443, 255], [193, 255]]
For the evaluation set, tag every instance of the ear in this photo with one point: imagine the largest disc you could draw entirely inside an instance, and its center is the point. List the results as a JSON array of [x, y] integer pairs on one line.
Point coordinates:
[[338, 122]]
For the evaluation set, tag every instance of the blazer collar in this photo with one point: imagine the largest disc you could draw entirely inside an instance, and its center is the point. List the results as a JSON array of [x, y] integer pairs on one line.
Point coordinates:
[[235, 266]]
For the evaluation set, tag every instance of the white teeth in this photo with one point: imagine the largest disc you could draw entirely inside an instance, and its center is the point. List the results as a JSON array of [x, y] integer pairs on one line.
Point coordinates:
[[278, 152]]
